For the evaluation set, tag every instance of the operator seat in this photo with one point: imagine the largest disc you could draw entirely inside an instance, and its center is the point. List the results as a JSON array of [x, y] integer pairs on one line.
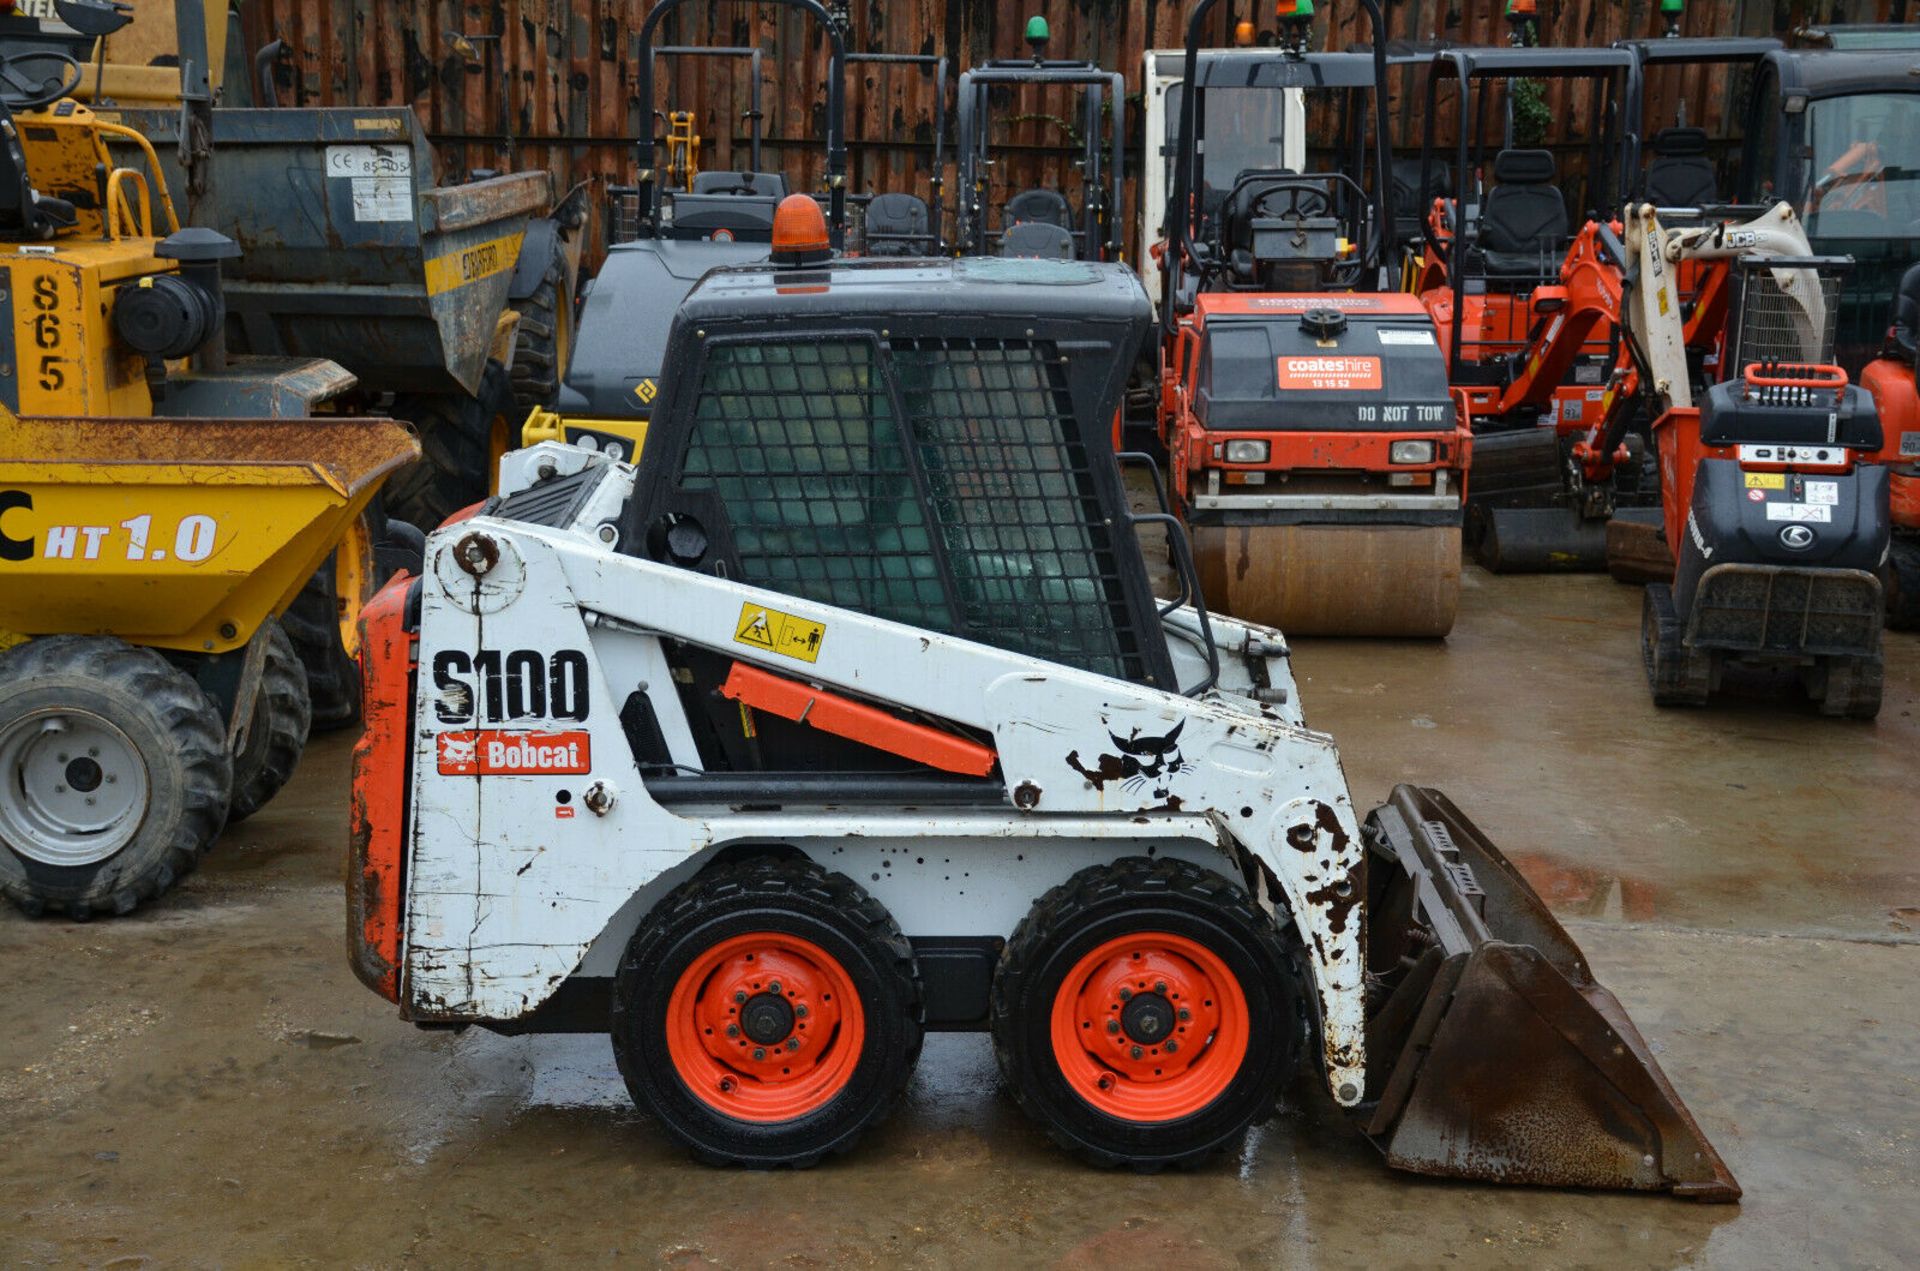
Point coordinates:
[[1681, 175], [1410, 202], [1037, 239], [1523, 221], [25, 213], [897, 226], [771, 185], [1904, 336], [1049, 207]]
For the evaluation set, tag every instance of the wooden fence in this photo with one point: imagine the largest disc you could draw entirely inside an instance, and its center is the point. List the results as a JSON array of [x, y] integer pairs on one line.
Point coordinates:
[[525, 83]]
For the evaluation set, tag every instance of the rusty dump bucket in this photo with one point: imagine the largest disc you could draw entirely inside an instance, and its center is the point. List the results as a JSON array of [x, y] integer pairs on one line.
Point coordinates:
[[177, 533], [1494, 1053]]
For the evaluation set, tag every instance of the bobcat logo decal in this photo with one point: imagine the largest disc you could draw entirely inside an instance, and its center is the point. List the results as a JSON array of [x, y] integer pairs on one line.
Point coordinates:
[[1142, 762]]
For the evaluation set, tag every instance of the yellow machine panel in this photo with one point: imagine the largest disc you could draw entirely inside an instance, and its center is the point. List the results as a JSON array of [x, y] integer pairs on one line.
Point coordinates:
[[152, 530], [57, 351]]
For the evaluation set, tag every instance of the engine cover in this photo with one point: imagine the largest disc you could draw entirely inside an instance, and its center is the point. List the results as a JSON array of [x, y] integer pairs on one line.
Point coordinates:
[[1792, 519]]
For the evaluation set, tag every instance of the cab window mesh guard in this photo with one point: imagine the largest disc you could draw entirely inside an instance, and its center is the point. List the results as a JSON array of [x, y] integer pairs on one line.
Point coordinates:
[[957, 497]]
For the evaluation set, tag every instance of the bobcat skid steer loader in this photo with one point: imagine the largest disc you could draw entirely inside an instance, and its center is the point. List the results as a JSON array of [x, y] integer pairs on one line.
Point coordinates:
[[847, 714]]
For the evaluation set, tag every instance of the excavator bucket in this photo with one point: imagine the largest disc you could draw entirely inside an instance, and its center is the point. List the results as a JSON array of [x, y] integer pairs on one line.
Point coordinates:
[[1495, 1054]]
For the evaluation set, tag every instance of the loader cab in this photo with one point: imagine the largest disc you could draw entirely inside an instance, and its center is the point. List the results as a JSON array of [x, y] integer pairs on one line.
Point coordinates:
[[1503, 229], [845, 432], [1271, 214], [1837, 135], [1008, 204], [1669, 159]]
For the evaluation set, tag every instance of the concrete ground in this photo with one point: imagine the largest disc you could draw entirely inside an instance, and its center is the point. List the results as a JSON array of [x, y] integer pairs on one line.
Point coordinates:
[[205, 1082]]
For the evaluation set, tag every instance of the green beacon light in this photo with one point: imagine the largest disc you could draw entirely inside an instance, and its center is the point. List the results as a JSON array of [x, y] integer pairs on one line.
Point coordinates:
[[1673, 11], [1038, 33]]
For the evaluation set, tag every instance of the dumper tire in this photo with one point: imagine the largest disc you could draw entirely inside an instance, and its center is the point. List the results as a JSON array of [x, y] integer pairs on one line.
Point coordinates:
[[1116, 915], [461, 441], [170, 744], [312, 625], [669, 1006], [277, 732], [545, 337], [1677, 675]]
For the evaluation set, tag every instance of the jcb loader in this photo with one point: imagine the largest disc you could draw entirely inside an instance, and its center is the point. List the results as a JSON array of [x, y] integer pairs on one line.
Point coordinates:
[[848, 714]]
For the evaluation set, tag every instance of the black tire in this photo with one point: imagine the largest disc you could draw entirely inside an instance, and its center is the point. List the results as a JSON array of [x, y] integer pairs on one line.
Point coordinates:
[[795, 899], [1137, 896], [312, 625], [277, 734], [461, 439], [1676, 675], [545, 337], [172, 732]]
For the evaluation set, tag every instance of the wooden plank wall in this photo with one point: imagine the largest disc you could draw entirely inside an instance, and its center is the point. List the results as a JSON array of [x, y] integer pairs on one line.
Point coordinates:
[[555, 85]]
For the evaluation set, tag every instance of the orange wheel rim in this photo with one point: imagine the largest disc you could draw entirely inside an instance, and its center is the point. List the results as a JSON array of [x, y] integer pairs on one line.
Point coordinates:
[[1150, 1027], [765, 1027]]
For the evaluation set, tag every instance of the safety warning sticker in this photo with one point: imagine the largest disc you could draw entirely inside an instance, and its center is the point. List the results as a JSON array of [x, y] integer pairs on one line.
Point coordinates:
[[783, 633], [1766, 480], [1329, 374], [1827, 492], [380, 179], [1819, 512]]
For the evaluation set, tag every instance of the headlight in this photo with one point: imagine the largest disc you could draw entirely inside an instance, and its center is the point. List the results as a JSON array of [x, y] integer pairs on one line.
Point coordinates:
[[1410, 452], [1247, 451]]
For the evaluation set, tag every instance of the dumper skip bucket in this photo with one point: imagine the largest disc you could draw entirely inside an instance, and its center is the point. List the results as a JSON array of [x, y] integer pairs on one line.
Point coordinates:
[[1496, 1056], [177, 533]]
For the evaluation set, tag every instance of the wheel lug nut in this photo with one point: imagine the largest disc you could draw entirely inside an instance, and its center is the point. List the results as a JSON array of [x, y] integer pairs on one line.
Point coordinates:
[[1113, 1026], [59, 789], [793, 1043], [1106, 1083], [739, 996], [759, 1053], [1135, 1052], [1172, 1046], [1185, 1015], [774, 987], [800, 1011], [1160, 987], [1126, 994], [62, 756], [94, 751], [733, 1030]]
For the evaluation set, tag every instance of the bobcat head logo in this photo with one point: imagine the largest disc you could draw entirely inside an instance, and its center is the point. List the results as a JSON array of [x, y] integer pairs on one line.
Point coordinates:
[[1142, 762]]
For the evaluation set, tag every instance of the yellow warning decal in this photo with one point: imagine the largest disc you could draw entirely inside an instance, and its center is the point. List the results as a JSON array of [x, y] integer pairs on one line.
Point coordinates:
[[777, 632], [646, 390], [471, 264], [1766, 480], [1661, 296]]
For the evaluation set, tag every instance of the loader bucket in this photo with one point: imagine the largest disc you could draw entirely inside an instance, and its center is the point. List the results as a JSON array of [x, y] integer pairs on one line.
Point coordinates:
[[177, 533], [1494, 1053]]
